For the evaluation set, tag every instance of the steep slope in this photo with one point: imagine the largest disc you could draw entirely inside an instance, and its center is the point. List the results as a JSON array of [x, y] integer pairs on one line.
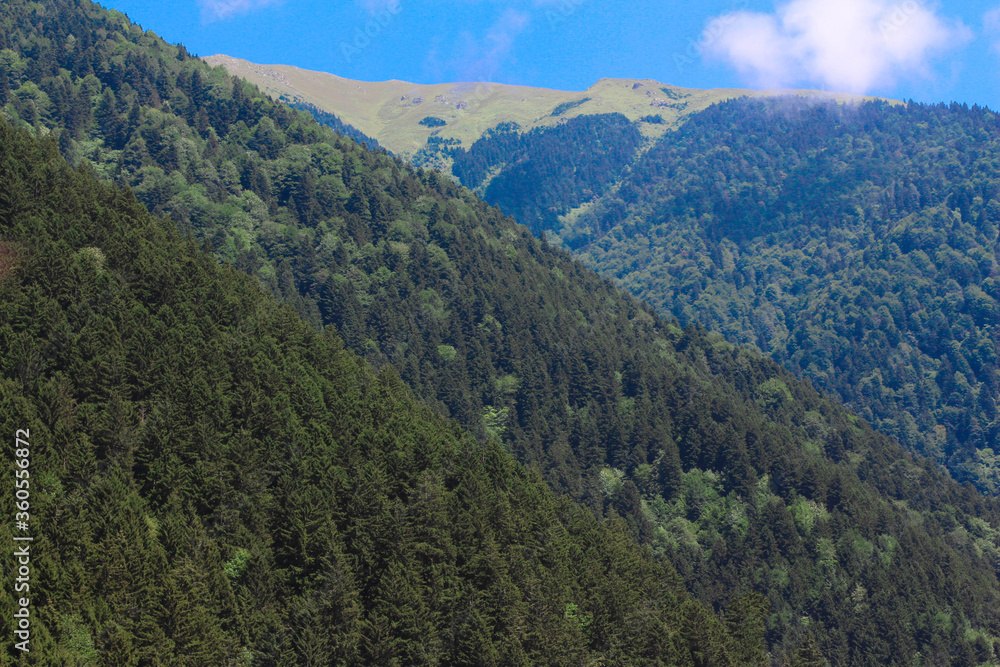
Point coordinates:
[[332, 121], [746, 479], [213, 482], [542, 175], [855, 245]]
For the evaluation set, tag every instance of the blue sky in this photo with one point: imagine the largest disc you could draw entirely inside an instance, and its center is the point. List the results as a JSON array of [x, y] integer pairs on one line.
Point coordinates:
[[903, 49]]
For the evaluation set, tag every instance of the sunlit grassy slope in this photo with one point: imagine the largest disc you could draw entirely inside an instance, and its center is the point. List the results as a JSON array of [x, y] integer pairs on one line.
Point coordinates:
[[391, 111]]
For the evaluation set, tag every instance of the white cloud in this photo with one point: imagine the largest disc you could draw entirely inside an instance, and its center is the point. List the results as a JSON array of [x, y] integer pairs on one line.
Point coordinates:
[[220, 10], [849, 45], [481, 61]]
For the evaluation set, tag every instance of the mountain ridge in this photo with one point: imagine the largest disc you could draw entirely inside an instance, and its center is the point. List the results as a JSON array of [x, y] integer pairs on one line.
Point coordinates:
[[375, 108]]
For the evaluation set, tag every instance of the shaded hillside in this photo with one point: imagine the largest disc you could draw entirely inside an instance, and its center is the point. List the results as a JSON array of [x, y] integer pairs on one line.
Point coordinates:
[[332, 121], [746, 479], [539, 175], [213, 482], [855, 245]]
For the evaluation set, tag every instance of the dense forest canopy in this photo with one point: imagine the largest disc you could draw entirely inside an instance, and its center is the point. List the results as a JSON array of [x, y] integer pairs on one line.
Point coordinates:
[[784, 224], [332, 121], [856, 245], [540, 175], [213, 482], [742, 477]]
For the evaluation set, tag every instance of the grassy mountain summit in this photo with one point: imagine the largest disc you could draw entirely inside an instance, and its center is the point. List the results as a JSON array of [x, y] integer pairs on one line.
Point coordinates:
[[744, 478], [391, 111]]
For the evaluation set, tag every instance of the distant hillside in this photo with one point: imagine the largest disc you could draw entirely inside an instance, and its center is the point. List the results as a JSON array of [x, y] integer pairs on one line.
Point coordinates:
[[857, 245], [392, 111], [541, 175], [332, 121]]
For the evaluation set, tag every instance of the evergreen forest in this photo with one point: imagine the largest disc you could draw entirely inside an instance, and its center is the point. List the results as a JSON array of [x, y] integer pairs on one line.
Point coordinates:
[[855, 245], [334, 480], [214, 482], [542, 174]]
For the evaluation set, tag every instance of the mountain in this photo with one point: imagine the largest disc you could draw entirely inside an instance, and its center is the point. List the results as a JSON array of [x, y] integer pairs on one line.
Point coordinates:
[[856, 245], [213, 482], [711, 456], [404, 116], [332, 121], [589, 184]]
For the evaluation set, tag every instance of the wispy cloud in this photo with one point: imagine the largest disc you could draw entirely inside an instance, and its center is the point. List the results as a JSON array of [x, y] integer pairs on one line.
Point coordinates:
[[220, 10], [991, 22], [374, 7], [483, 59], [849, 45], [476, 54]]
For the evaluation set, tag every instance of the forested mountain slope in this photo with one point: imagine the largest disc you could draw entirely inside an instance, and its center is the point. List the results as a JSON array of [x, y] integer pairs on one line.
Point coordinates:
[[856, 245], [332, 121], [213, 482], [539, 175], [744, 478]]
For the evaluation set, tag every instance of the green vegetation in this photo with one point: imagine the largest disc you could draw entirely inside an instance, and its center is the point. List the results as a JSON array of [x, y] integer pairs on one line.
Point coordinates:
[[332, 121], [566, 106], [855, 245], [437, 153], [433, 121], [781, 512], [178, 415], [548, 171]]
